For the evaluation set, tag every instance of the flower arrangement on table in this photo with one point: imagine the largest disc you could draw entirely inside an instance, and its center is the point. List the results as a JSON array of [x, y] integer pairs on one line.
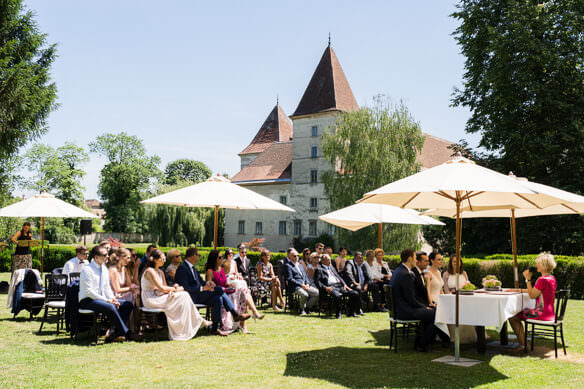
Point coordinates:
[[491, 282], [468, 287]]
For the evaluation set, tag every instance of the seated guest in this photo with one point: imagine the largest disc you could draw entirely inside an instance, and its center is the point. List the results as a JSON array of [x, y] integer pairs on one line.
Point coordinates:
[[420, 281], [329, 282], [95, 293], [175, 257], [133, 267], [374, 279], [107, 245], [120, 280], [234, 279], [449, 276], [341, 259], [435, 283], [381, 266], [243, 262], [267, 280], [299, 283], [544, 291], [354, 277], [144, 260], [319, 248], [182, 316], [305, 260], [408, 307], [75, 264], [329, 251], [205, 293], [313, 262]]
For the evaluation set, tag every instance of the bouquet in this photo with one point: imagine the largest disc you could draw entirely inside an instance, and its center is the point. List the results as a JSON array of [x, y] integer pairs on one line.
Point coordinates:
[[468, 286], [491, 281]]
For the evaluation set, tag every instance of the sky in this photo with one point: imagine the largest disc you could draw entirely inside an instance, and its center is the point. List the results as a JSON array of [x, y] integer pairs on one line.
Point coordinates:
[[196, 79]]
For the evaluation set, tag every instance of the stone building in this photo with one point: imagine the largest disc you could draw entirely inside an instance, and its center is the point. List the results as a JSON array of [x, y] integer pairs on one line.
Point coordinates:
[[284, 162]]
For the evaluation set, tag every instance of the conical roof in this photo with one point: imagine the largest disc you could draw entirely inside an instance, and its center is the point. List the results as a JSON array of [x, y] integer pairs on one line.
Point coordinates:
[[276, 128], [328, 89]]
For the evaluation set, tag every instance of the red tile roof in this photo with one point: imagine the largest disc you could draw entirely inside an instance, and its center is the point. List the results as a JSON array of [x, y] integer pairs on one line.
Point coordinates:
[[435, 151], [328, 89], [274, 163], [276, 128]]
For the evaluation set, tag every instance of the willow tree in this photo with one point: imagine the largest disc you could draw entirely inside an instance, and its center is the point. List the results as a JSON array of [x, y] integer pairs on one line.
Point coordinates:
[[369, 148]]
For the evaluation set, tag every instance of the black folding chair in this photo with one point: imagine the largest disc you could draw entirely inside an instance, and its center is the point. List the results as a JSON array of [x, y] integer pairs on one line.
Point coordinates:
[[398, 326], [55, 291]]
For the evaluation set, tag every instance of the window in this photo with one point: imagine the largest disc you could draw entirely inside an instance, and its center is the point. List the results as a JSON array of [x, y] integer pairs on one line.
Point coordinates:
[[297, 227], [283, 200], [331, 229], [259, 228], [241, 227], [312, 228], [314, 152], [313, 202], [313, 176], [314, 130], [282, 227]]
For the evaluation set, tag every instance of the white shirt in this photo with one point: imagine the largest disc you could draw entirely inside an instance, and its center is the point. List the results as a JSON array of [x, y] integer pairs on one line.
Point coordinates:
[[94, 282], [421, 275], [332, 279], [74, 265]]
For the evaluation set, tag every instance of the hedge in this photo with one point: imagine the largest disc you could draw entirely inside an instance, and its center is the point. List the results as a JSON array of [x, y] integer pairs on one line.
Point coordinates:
[[569, 271]]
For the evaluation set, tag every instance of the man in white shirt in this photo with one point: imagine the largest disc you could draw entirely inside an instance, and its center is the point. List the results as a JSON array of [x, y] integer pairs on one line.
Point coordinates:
[[95, 293], [75, 264]]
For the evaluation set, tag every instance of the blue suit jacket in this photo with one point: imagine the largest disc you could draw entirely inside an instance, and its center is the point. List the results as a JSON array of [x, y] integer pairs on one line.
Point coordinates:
[[404, 293], [294, 277], [184, 277]]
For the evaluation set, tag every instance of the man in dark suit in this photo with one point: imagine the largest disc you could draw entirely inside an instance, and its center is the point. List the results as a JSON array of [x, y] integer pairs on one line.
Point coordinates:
[[242, 261], [299, 283], [355, 279], [407, 306], [330, 282], [420, 282], [205, 292]]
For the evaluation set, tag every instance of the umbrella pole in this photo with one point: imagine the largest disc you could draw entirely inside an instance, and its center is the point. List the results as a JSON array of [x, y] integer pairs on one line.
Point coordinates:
[[379, 235], [458, 239], [514, 244], [42, 243], [215, 227]]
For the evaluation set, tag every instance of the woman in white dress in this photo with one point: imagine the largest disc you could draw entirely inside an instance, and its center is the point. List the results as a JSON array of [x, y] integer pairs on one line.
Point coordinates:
[[467, 333], [435, 283], [182, 316]]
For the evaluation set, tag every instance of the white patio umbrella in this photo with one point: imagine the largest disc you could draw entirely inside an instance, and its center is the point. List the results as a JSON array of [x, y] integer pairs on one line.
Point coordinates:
[[456, 184], [218, 192], [44, 205], [571, 204], [357, 216]]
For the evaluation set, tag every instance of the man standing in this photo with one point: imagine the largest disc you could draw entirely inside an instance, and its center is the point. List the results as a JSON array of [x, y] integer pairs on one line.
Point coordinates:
[[75, 264], [299, 282], [407, 306], [205, 292], [242, 261], [420, 283], [355, 279], [329, 282], [95, 293]]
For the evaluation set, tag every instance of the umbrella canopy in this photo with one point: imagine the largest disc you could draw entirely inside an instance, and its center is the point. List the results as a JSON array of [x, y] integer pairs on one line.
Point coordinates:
[[361, 215], [218, 192]]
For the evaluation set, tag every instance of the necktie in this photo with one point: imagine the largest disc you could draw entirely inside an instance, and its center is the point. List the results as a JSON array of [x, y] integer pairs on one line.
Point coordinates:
[[100, 273]]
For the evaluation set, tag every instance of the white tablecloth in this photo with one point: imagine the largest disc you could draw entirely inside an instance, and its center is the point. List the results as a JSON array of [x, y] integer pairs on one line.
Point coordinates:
[[480, 309]]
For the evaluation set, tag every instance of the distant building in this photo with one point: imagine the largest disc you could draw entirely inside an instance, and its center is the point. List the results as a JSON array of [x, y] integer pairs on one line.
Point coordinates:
[[284, 162], [94, 207]]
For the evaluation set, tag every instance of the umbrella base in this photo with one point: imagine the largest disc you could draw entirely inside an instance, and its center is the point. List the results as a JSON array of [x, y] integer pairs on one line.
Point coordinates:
[[462, 362]]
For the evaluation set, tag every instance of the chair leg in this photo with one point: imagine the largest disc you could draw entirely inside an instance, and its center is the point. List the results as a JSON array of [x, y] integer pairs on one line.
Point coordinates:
[[44, 318], [556, 341], [562, 336], [525, 337], [390, 336], [58, 320], [532, 336]]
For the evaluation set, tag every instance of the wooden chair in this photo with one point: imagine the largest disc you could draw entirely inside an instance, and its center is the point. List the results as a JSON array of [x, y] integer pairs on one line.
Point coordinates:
[[98, 323], [545, 329], [397, 326], [149, 317], [55, 291]]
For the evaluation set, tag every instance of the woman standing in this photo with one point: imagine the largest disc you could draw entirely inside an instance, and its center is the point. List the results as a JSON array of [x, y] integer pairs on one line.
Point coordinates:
[[268, 280], [22, 257], [435, 283], [182, 316]]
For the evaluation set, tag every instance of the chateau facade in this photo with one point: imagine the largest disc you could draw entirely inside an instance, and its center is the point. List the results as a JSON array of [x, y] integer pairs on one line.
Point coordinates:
[[284, 162]]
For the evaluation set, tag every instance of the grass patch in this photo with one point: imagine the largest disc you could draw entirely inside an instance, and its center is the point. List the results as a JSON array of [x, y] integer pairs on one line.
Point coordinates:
[[285, 351]]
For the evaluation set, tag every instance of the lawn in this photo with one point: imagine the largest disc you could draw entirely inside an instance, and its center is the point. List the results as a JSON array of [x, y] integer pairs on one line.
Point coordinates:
[[284, 351]]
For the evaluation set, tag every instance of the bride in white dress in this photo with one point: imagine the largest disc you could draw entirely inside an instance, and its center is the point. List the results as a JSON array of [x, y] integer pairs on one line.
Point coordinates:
[[435, 283], [182, 316]]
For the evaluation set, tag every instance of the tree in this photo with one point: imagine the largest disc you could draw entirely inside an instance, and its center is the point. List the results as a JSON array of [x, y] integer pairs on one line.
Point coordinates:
[[27, 95], [57, 171], [186, 170], [125, 180], [369, 148], [524, 83]]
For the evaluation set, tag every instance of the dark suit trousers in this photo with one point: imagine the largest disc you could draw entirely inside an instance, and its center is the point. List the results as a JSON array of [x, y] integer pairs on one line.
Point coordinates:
[[216, 299], [354, 299], [117, 317], [429, 330], [377, 291]]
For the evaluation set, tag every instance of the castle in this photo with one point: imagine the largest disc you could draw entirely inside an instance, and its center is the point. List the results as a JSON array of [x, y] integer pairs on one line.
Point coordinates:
[[284, 162]]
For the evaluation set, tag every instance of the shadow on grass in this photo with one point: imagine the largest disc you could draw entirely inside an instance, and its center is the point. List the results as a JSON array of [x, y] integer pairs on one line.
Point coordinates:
[[376, 367]]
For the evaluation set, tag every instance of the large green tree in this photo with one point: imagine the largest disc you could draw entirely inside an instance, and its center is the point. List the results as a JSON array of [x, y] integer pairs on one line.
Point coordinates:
[[27, 95], [369, 148], [127, 178], [186, 170], [524, 85]]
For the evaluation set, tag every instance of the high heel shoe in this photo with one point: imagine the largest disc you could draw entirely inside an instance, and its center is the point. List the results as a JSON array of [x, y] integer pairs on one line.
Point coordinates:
[[207, 323], [259, 317]]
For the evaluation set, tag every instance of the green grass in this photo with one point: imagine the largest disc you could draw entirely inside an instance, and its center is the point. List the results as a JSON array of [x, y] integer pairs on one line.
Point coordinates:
[[285, 351]]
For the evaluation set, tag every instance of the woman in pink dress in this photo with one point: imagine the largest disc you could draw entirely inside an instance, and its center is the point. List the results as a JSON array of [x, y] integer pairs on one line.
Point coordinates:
[[544, 291]]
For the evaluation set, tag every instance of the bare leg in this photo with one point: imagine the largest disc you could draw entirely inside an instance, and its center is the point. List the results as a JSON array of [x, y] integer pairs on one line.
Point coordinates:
[[251, 305], [517, 326]]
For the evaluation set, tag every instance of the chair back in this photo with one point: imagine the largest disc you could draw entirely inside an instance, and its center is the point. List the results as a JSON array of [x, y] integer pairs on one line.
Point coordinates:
[[57, 270], [55, 287], [561, 302], [74, 277], [389, 293], [253, 276]]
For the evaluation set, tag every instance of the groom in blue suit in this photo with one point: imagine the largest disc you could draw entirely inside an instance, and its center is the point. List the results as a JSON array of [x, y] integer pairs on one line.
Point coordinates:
[[206, 293]]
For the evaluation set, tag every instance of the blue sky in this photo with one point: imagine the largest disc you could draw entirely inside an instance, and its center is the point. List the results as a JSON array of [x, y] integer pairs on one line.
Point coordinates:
[[196, 79]]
